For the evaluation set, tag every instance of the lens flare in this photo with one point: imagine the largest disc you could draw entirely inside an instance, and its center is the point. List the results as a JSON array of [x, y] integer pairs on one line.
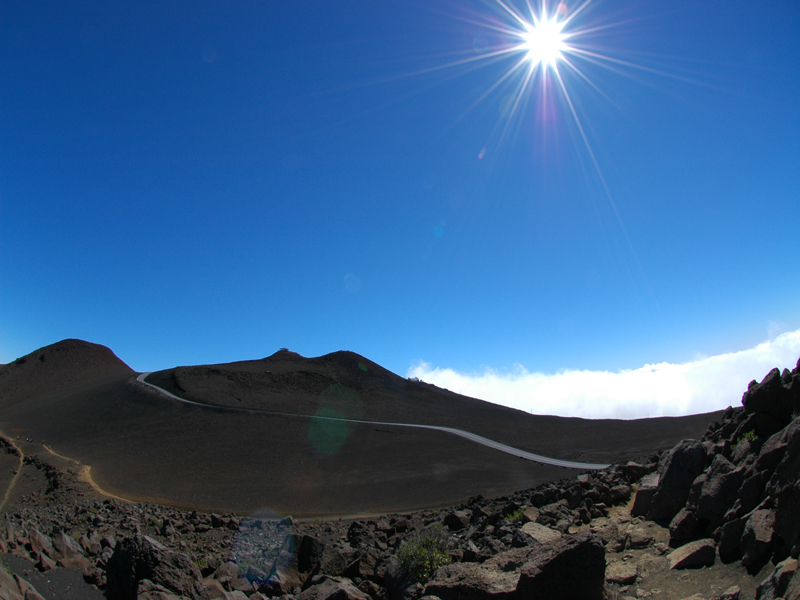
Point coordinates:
[[327, 431], [264, 547]]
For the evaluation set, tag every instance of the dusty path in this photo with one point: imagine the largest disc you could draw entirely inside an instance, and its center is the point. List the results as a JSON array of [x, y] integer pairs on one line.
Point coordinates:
[[85, 475], [14, 479], [545, 460]]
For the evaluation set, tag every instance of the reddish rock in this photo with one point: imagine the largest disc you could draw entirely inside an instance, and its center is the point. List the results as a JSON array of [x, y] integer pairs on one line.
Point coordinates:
[[758, 536], [40, 542], [693, 555], [572, 567], [333, 588], [45, 563], [471, 581], [775, 586], [74, 562], [621, 573], [683, 528]]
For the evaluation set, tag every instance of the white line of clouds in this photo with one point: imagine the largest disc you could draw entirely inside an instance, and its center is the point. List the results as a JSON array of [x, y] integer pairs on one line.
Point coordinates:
[[663, 389]]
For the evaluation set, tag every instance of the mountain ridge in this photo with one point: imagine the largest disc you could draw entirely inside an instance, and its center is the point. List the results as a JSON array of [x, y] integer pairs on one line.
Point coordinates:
[[144, 446]]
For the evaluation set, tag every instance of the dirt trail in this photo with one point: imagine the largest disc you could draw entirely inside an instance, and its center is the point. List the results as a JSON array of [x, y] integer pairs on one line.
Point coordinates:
[[12, 448], [85, 475]]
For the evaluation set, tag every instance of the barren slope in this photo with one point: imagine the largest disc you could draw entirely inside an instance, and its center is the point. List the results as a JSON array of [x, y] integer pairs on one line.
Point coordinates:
[[145, 446], [58, 366]]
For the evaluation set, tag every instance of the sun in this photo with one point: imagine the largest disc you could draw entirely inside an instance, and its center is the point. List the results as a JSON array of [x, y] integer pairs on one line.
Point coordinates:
[[544, 41]]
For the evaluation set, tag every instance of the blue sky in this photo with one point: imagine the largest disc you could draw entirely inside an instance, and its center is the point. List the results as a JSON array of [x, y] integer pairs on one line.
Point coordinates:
[[203, 182]]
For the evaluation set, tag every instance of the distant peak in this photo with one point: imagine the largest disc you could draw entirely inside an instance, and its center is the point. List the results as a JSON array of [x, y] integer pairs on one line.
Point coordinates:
[[73, 349], [285, 353]]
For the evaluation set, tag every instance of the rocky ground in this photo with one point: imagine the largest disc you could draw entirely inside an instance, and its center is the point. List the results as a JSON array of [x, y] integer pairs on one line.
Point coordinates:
[[715, 518]]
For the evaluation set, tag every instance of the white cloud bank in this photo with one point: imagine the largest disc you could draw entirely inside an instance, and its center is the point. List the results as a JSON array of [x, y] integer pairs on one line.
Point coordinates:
[[664, 389]]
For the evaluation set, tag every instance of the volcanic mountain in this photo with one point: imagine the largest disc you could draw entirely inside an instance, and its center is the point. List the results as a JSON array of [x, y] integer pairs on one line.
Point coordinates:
[[255, 437]]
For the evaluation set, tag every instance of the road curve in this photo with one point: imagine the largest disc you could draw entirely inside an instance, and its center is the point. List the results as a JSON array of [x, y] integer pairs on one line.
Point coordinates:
[[545, 460]]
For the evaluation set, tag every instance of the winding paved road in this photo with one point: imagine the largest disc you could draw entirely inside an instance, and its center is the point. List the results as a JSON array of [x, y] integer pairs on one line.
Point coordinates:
[[460, 433]]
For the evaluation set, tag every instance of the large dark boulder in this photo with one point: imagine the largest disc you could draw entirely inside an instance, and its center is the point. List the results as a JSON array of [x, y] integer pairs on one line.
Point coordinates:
[[771, 453], [784, 487], [787, 515], [472, 581], [719, 491], [680, 468], [644, 495], [730, 537], [683, 528], [495, 579], [309, 553], [772, 401], [140, 557], [776, 585], [758, 537], [66, 546], [693, 555], [572, 567], [751, 491], [456, 521]]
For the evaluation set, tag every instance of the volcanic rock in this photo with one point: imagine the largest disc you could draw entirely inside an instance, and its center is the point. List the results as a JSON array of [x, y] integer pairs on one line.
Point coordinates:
[[683, 528], [719, 491], [775, 586], [693, 555], [471, 581], [572, 567], [140, 557], [621, 573], [540, 533], [680, 468], [644, 495], [758, 536], [333, 588]]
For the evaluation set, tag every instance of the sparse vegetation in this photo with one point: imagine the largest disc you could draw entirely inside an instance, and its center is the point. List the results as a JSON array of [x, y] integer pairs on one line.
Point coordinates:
[[420, 557], [516, 515], [749, 435]]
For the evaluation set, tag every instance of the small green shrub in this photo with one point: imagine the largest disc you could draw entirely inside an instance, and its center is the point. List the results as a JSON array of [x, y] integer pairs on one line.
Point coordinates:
[[202, 562], [516, 515], [748, 435], [421, 557]]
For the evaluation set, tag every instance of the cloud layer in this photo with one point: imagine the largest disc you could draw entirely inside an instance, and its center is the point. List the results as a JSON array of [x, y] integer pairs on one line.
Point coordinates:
[[662, 389]]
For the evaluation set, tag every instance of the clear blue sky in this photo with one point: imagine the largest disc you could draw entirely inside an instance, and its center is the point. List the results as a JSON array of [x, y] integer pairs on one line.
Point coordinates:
[[202, 182]]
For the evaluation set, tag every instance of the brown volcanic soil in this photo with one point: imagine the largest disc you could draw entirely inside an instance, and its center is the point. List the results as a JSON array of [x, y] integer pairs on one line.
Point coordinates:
[[61, 365], [144, 446], [348, 385]]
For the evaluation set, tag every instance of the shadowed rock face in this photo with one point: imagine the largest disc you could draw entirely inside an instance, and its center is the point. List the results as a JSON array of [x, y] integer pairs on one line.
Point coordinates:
[[774, 400], [747, 502], [682, 465], [572, 567], [142, 558]]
